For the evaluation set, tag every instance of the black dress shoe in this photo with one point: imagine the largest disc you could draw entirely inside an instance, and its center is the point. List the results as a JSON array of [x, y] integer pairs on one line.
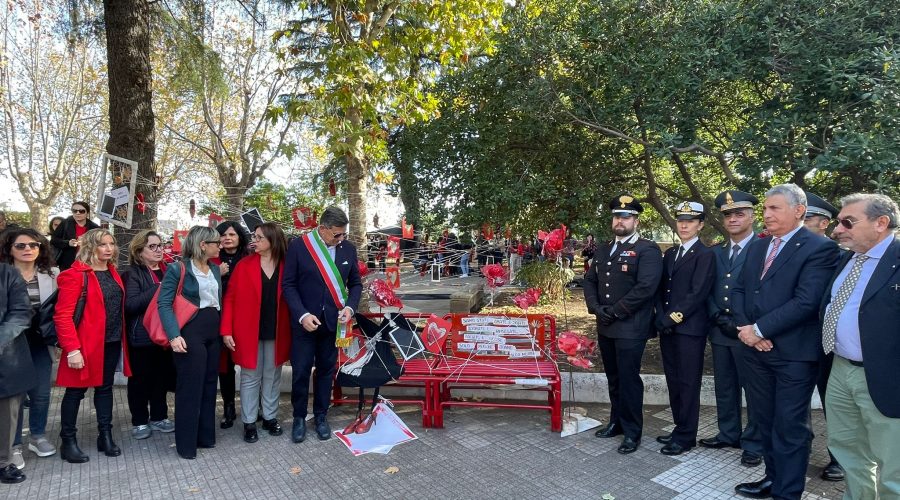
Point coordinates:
[[757, 489], [250, 434], [323, 430], [298, 432], [11, 475], [611, 430], [628, 446], [187, 457], [664, 439], [833, 471], [272, 426], [716, 443], [206, 446], [750, 459], [673, 449], [228, 416]]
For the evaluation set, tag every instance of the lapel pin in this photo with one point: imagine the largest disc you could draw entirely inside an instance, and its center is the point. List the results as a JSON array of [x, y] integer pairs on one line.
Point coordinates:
[[896, 287]]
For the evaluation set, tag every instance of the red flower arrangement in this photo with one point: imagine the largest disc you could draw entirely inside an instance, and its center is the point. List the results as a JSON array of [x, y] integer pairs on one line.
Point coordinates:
[[495, 275], [527, 298], [383, 294], [577, 347]]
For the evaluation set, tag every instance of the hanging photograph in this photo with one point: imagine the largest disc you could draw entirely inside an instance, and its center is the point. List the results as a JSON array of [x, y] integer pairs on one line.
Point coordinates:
[[115, 197]]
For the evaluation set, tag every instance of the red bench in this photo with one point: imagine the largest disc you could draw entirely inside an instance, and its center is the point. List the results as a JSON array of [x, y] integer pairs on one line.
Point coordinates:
[[478, 358]]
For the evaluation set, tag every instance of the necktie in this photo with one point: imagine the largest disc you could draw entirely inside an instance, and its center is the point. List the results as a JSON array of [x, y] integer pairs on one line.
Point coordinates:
[[829, 328], [735, 250], [680, 253], [771, 258]]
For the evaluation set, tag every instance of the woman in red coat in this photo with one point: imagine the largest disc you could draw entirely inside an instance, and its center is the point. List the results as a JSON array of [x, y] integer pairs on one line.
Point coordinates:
[[256, 328], [91, 348]]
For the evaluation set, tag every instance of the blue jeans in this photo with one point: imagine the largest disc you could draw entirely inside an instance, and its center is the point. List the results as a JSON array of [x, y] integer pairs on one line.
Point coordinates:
[[39, 395], [464, 263]]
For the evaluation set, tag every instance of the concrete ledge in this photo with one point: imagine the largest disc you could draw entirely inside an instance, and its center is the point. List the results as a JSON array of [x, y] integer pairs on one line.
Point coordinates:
[[587, 388], [467, 300]]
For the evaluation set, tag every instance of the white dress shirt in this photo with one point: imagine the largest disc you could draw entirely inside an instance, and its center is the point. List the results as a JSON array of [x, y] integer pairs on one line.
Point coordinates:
[[209, 287]]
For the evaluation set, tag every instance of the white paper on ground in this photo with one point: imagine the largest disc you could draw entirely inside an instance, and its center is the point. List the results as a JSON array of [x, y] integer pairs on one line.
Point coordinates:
[[387, 432], [575, 420]]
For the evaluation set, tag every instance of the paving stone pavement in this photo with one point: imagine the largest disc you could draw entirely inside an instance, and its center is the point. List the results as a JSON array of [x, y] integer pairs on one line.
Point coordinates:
[[481, 453]]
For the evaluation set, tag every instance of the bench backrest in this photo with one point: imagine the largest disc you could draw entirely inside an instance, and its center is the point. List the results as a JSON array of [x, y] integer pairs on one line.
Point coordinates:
[[502, 336]]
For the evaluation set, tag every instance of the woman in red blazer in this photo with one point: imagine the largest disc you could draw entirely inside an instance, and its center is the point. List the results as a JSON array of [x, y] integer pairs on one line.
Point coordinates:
[[256, 328], [90, 349]]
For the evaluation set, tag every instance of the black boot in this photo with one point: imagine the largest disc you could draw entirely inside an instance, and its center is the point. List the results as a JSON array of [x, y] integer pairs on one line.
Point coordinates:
[[70, 452], [228, 417], [106, 445]]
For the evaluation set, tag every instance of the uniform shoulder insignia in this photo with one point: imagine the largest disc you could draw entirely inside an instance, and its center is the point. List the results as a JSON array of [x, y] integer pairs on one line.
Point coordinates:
[[677, 317]]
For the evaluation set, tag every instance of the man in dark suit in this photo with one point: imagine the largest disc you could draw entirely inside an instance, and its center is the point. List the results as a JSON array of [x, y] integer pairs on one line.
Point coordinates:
[[619, 289], [729, 354], [776, 302], [322, 288], [860, 314], [681, 320], [819, 214]]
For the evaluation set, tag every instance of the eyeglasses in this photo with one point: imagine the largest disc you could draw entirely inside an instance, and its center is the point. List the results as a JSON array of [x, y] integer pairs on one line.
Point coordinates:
[[33, 245], [256, 237], [154, 247], [336, 235], [213, 242], [79, 211], [848, 223]]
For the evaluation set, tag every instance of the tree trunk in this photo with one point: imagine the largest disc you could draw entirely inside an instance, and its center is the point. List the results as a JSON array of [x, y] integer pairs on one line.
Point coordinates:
[[234, 202], [131, 133], [40, 217], [357, 188]]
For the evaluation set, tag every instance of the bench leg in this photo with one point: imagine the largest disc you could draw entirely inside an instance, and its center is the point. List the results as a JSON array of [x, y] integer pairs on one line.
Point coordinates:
[[437, 409], [555, 397]]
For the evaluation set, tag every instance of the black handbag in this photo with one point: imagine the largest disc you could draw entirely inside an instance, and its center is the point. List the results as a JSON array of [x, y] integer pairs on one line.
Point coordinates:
[[43, 320]]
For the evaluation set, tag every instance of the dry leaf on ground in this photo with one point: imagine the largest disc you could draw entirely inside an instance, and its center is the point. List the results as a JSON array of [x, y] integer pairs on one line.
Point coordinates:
[[295, 470], [392, 470]]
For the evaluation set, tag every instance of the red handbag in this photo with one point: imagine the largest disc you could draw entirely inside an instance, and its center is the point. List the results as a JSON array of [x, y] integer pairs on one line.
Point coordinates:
[[184, 311]]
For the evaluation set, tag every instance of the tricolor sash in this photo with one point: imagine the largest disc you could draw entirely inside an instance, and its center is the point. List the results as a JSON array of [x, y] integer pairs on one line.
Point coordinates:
[[332, 278]]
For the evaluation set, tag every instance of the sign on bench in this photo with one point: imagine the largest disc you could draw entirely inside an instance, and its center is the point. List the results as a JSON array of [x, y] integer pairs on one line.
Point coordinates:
[[519, 337]]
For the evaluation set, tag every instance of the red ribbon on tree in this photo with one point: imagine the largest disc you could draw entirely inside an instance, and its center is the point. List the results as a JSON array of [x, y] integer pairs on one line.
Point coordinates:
[[141, 206], [332, 187]]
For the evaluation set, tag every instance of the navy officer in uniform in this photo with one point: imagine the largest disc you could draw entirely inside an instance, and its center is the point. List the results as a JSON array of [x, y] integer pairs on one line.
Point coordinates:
[[619, 290], [819, 214], [681, 320], [729, 354]]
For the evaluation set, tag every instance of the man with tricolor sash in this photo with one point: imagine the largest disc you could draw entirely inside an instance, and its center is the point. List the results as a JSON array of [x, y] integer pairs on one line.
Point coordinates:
[[322, 288]]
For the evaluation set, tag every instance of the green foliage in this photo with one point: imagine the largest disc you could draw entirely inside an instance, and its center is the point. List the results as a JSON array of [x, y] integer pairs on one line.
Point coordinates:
[[669, 100], [275, 202], [547, 276]]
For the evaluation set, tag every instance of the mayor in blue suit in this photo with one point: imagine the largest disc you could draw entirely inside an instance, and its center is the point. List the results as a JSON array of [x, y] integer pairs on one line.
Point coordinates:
[[315, 315], [776, 304], [860, 313]]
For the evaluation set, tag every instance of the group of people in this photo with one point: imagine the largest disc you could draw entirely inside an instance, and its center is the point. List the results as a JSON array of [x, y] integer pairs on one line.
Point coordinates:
[[254, 301], [784, 312]]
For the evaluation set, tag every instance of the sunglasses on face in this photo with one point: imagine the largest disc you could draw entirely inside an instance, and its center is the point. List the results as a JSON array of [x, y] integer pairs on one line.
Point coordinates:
[[33, 245], [848, 223], [213, 242], [336, 235], [79, 211], [154, 247]]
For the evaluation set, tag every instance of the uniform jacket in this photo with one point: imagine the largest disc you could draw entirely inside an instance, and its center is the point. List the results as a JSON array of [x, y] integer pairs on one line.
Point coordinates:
[[190, 291], [720, 300], [304, 287], [65, 255], [879, 315], [684, 290], [17, 373], [785, 303], [90, 334], [241, 312], [139, 291], [628, 281]]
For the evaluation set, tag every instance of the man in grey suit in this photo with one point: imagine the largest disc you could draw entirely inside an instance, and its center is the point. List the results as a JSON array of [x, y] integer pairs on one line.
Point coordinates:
[[729, 354]]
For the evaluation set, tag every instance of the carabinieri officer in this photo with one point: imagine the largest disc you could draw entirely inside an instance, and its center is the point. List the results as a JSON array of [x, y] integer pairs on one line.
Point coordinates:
[[619, 290]]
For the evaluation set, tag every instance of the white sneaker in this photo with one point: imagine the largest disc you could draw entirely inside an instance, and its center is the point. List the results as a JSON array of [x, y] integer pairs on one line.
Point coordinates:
[[141, 431], [17, 458], [41, 447], [463, 275]]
